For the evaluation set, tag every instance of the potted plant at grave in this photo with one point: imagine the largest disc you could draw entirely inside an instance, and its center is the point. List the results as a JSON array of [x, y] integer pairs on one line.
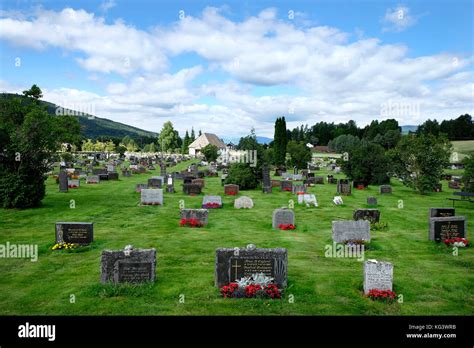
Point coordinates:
[[258, 285], [456, 242]]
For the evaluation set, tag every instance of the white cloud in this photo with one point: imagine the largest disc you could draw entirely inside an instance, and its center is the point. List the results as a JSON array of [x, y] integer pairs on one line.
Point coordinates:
[[398, 19], [107, 5], [334, 79]]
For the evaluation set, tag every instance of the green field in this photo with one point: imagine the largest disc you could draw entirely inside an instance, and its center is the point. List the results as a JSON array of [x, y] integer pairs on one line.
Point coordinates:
[[463, 147], [431, 280]]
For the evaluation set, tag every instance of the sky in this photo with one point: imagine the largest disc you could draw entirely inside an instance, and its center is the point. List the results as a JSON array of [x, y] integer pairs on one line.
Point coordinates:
[[226, 67]]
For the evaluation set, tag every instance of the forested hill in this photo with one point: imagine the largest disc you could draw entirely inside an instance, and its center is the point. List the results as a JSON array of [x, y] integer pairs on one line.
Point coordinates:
[[93, 127]]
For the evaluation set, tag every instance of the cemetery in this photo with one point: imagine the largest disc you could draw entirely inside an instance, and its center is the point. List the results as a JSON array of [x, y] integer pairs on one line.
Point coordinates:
[[156, 235]]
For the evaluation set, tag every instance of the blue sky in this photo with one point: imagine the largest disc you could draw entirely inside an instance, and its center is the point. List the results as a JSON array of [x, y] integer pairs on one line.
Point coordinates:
[[228, 66]]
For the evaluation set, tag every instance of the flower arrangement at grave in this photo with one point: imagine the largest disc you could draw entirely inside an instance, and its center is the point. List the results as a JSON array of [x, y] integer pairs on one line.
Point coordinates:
[[286, 227], [231, 193], [211, 205], [192, 222], [64, 246], [456, 242], [287, 189], [72, 186], [258, 285], [300, 193], [386, 296]]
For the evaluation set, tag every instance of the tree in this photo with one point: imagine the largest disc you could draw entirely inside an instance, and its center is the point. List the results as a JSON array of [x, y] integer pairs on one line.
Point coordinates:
[[186, 142], [367, 162], [210, 152], [299, 153], [280, 141], [344, 143], [168, 138], [200, 133], [29, 138], [244, 175], [193, 136], [420, 160]]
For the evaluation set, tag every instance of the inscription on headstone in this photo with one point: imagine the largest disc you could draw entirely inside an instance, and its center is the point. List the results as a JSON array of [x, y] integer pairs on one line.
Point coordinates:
[[74, 232], [377, 275]]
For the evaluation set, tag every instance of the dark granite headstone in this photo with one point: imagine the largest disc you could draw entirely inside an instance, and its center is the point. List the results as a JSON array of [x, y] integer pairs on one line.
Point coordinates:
[[286, 185], [372, 215], [344, 187], [442, 212], [267, 184], [231, 189], [385, 189], [63, 181], [128, 266], [442, 228], [192, 189], [74, 232], [113, 176], [371, 200], [234, 263]]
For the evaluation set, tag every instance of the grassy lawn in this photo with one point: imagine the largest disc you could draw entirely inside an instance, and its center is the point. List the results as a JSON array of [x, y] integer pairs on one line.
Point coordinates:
[[463, 147], [431, 279]]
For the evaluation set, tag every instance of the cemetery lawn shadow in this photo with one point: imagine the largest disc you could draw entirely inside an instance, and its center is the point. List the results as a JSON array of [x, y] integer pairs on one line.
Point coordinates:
[[430, 278]]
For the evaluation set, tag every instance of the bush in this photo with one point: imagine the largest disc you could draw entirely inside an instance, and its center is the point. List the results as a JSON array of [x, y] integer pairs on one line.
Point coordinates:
[[243, 175]]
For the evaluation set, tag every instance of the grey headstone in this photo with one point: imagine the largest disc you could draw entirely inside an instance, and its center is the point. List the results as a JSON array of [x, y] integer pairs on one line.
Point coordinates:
[[211, 202], [202, 215], [343, 231], [92, 179], [371, 200], [385, 189], [344, 187], [152, 196], [283, 216], [377, 275], [63, 182], [243, 202]]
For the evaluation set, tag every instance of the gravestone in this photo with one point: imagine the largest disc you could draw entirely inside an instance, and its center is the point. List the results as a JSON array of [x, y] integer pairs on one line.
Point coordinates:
[[199, 214], [308, 200], [128, 266], [332, 179], [192, 189], [298, 189], [360, 184], [283, 216], [113, 176], [276, 183], [162, 169], [92, 179], [343, 231], [286, 186], [448, 227], [188, 179], [372, 215], [63, 181], [110, 168], [231, 189], [385, 189], [152, 197], [337, 200], [319, 180], [442, 212], [170, 184], [454, 185], [98, 171], [371, 200], [200, 182], [155, 182], [73, 183], [377, 275], [140, 187], [243, 202], [267, 184], [81, 233], [232, 264], [344, 187], [211, 202]]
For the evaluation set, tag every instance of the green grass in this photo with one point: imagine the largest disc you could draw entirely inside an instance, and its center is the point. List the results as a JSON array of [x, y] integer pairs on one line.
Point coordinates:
[[463, 147], [431, 279]]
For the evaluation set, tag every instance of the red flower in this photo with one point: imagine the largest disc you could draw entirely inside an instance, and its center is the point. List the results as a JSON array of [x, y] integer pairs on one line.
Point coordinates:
[[286, 227], [211, 205], [287, 189], [381, 295], [231, 193], [193, 222]]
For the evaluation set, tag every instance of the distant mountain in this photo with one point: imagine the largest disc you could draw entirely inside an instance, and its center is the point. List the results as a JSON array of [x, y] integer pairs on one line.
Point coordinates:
[[93, 127], [235, 141], [408, 128]]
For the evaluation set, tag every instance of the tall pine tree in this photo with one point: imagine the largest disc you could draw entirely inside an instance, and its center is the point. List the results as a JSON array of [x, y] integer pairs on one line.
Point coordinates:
[[280, 141], [186, 142]]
